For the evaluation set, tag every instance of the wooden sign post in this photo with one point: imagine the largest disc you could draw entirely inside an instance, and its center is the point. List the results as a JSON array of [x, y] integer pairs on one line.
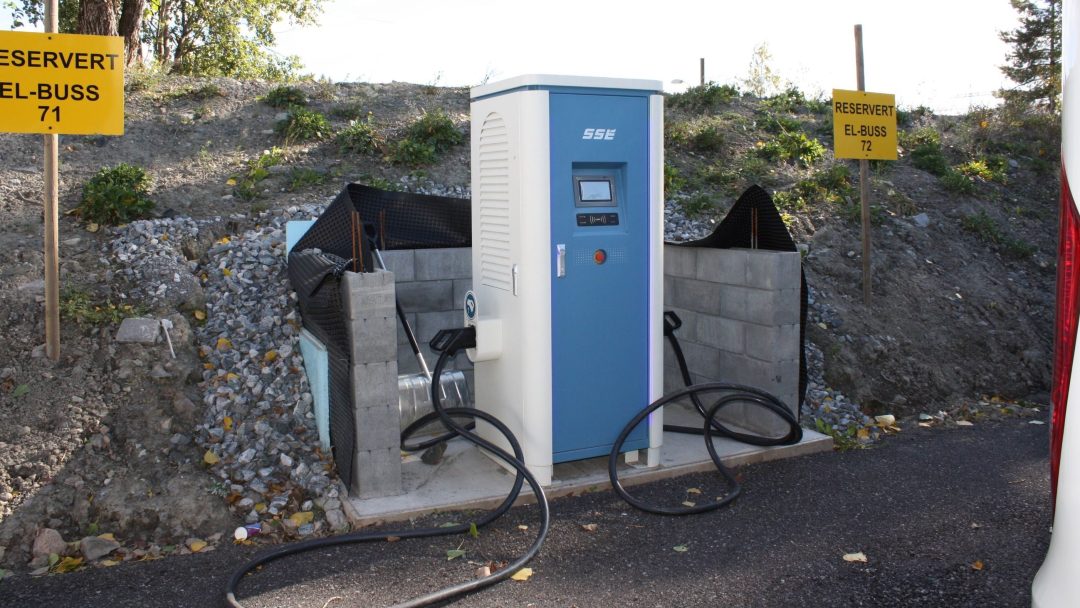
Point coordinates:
[[55, 83], [864, 127]]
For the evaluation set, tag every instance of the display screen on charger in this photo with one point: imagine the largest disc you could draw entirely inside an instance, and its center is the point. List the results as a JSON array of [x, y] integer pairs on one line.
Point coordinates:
[[595, 191]]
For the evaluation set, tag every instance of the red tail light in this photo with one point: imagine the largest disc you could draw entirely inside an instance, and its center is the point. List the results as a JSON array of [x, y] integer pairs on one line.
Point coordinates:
[[1068, 307]]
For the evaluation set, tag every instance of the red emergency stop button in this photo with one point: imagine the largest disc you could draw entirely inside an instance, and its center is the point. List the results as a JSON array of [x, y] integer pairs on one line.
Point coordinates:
[[600, 256]]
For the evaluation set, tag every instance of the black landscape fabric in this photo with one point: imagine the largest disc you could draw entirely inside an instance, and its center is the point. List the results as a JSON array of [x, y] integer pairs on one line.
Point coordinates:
[[736, 230]]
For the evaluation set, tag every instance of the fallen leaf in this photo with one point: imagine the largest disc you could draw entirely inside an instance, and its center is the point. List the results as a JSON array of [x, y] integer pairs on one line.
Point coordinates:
[[693, 490], [108, 563], [260, 507], [223, 240], [863, 433], [473, 531], [589, 527], [925, 425], [231, 181], [681, 548], [483, 571], [855, 557], [689, 503], [978, 565], [224, 344], [107, 536], [211, 458], [20, 390], [454, 554], [200, 315], [523, 527], [449, 524], [226, 272], [227, 423], [885, 420], [522, 575], [53, 559], [964, 423], [92, 227], [393, 539], [1036, 422], [270, 356], [197, 545], [68, 564], [302, 517]]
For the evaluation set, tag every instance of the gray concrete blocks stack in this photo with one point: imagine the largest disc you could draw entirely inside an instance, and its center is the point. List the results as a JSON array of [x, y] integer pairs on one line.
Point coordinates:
[[431, 286], [740, 313], [370, 315]]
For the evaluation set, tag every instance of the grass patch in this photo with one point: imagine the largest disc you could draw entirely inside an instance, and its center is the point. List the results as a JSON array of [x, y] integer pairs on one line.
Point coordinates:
[[704, 98], [792, 146], [246, 184], [987, 230], [930, 158], [958, 183], [696, 205], [303, 125], [80, 306], [285, 97], [360, 137], [426, 139], [116, 195], [303, 177]]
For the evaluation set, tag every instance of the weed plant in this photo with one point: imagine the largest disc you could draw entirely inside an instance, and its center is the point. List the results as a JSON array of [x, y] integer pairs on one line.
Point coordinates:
[[360, 137], [303, 125], [705, 98], [79, 306], [285, 97], [426, 139], [792, 146], [116, 195], [246, 184]]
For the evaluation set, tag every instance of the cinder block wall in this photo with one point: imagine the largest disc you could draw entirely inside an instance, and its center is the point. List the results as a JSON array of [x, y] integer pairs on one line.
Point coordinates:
[[431, 286], [740, 314]]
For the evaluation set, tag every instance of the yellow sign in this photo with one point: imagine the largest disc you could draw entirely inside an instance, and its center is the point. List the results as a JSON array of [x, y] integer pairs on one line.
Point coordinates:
[[61, 83], [864, 125]]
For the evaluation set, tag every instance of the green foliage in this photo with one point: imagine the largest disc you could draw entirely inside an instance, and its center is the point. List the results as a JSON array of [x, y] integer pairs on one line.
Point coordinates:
[[303, 125], [704, 98], [1034, 61], [991, 169], [360, 137], [696, 205], [792, 146], [708, 138], [285, 97], [987, 230], [778, 123], [349, 111], [843, 439], [818, 106], [832, 185], [673, 182], [380, 183], [790, 100], [930, 158], [760, 79], [79, 306], [677, 131], [957, 182], [116, 195], [256, 171], [303, 177], [426, 139], [909, 140]]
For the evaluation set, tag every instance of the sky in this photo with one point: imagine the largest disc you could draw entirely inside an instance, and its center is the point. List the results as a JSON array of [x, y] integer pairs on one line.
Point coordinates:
[[940, 53]]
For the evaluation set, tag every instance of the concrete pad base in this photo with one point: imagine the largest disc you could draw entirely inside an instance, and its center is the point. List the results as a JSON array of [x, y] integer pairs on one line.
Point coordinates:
[[468, 479]]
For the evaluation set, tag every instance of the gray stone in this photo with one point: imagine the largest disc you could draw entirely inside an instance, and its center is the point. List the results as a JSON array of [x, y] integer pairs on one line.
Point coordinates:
[[337, 520], [48, 541], [94, 547], [139, 331], [921, 220]]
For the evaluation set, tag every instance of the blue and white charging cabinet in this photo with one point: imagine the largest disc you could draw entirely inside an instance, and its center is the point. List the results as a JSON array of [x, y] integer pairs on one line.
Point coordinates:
[[567, 230]]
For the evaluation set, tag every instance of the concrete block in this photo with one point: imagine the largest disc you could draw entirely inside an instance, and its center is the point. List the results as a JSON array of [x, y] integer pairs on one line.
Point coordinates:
[[700, 359], [689, 329], [734, 303], [698, 296], [771, 307], [439, 264], [669, 291], [772, 269], [721, 333], [426, 296], [378, 427], [366, 293], [377, 473], [406, 360], [680, 261], [725, 266], [429, 323], [373, 339], [139, 331], [781, 378], [402, 263], [374, 384], [772, 342]]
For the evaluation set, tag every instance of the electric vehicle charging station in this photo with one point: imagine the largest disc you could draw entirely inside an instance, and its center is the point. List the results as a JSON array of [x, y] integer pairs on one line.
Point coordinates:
[[567, 225]]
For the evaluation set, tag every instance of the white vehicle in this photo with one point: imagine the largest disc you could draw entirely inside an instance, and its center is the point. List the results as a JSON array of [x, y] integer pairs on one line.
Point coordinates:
[[1055, 584]]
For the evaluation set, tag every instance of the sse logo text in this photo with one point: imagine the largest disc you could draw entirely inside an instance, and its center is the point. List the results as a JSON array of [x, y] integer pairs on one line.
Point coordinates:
[[607, 134]]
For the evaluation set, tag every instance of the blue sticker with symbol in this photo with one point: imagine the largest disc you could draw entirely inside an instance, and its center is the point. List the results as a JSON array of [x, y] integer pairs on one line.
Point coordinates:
[[470, 306]]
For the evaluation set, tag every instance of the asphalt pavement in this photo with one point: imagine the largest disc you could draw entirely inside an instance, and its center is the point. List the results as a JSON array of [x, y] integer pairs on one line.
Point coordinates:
[[945, 517]]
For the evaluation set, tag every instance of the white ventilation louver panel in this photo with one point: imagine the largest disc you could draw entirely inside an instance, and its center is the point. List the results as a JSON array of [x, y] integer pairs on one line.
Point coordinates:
[[493, 199]]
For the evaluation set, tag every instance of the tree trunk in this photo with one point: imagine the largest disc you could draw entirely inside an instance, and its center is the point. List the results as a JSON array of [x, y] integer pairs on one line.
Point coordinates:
[[96, 17], [161, 37], [131, 28]]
